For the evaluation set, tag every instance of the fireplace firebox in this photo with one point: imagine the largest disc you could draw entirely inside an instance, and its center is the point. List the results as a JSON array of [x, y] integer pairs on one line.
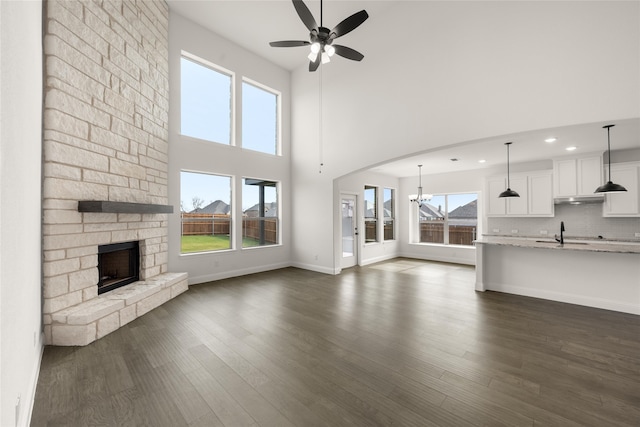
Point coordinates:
[[118, 265]]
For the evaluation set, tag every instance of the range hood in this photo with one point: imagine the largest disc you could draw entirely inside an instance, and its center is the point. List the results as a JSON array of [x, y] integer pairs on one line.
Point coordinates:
[[579, 200]]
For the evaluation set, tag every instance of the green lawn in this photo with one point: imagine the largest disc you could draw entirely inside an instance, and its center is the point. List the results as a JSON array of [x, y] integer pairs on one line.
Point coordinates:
[[192, 244]]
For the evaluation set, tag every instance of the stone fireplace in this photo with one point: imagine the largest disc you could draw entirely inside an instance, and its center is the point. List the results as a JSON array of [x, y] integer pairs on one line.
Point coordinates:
[[105, 147], [118, 265]]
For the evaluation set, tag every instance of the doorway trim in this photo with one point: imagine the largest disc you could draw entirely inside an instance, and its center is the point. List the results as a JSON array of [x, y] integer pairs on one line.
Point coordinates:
[[347, 262]]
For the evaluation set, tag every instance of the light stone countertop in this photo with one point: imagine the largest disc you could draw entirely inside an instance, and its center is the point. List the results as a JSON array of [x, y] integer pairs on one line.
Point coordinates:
[[569, 244]]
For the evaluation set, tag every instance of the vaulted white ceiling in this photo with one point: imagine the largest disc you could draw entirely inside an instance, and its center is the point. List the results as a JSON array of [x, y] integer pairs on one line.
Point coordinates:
[[408, 39]]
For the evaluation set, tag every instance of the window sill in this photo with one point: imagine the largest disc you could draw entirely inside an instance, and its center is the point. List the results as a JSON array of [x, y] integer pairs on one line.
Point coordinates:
[[219, 251], [442, 245], [252, 248]]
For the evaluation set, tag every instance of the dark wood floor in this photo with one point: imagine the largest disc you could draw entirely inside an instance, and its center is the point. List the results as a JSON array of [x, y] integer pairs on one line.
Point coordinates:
[[402, 342]]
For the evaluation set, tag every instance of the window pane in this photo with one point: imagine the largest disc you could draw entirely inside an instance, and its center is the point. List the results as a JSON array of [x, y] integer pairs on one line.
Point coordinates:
[[259, 119], [463, 218], [260, 219], [370, 214], [432, 215], [205, 102], [205, 205], [389, 214], [348, 227]]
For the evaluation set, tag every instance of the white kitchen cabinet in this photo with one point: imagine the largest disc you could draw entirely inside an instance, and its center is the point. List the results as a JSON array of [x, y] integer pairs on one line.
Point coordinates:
[[496, 206], [625, 203], [541, 194], [517, 206], [577, 176], [536, 195]]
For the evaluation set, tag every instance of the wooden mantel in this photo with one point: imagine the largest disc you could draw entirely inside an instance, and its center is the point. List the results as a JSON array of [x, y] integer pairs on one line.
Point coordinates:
[[104, 206]]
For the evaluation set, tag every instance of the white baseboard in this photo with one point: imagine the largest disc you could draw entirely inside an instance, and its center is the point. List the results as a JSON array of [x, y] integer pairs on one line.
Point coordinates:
[[562, 297], [24, 418], [378, 259], [235, 273], [438, 258], [316, 268]]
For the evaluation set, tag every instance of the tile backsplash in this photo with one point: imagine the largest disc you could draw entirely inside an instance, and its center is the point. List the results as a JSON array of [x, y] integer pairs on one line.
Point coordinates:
[[579, 221]]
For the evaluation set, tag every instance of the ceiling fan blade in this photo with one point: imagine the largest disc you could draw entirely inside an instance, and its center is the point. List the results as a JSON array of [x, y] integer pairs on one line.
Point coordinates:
[[289, 43], [305, 15], [347, 52], [349, 24], [313, 65]]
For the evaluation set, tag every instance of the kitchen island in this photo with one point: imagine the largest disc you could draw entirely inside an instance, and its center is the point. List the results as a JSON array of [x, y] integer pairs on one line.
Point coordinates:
[[602, 274]]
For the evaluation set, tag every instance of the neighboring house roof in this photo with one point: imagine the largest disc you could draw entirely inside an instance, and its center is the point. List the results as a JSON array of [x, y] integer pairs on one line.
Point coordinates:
[[429, 211], [470, 210], [270, 210], [217, 207]]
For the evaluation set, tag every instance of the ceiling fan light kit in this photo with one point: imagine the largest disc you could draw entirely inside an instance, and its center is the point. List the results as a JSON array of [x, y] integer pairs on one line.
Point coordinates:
[[609, 187], [508, 192], [321, 38]]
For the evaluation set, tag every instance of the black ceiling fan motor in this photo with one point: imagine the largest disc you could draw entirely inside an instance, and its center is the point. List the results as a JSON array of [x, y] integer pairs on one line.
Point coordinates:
[[324, 36]]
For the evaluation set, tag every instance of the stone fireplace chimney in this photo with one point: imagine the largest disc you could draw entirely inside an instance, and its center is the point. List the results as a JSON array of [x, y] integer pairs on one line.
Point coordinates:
[[105, 141]]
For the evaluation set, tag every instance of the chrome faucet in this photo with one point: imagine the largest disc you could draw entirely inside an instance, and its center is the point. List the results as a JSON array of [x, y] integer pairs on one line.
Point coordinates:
[[561, 239]]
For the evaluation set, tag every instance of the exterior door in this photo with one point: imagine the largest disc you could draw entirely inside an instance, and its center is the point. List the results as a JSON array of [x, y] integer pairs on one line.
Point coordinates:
[[349, 231]]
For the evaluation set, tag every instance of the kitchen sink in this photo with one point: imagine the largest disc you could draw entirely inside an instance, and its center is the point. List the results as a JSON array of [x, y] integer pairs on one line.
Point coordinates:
[[557, 243]]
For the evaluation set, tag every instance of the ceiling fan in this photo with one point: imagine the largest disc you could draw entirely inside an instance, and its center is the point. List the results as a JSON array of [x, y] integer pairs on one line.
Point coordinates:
[[321, 38]]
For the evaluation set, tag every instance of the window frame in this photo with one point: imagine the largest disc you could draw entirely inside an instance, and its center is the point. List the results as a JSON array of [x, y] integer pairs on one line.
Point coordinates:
[[391, 218], [232, 97], [278, 95], [230, 220], [373, 219], [278, 219], [446, 222]]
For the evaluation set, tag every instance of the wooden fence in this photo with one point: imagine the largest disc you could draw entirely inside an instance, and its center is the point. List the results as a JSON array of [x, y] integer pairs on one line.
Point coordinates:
[[433, 232], [251, 229], [206, 224]]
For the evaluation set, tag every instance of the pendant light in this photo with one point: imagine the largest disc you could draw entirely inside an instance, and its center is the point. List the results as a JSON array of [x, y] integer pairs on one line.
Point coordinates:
[[508, 192], [609, 187], [420, 198]]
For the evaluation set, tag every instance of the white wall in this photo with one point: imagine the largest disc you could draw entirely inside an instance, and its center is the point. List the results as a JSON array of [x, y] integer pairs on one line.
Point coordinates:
[[354, 184], [478, 69], [201, 156], [20, 207]]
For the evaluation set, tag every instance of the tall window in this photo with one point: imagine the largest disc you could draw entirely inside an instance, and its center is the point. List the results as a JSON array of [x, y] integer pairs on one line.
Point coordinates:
[[205, 205], [389, 213], [206, 102], [260, 218], [450, 219], [259, 119], [432, 216], [370, 214]]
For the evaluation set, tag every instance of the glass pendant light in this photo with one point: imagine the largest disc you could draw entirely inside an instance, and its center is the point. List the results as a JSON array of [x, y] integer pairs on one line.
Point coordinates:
[[609, 187], [508, 192]]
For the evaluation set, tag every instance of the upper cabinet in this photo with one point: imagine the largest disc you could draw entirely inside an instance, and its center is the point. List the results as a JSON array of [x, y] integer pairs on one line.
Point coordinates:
[[624, 203], [540, 194], [577, 176], [535, 190], [495, 205]]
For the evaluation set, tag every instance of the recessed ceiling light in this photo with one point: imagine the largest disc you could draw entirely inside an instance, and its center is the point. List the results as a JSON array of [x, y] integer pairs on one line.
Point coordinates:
[[550, 140], [481, 161], [454, 159], [573, 147]]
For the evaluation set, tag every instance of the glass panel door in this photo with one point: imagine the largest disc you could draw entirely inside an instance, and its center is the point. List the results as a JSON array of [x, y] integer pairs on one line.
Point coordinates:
[[349, 232]]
